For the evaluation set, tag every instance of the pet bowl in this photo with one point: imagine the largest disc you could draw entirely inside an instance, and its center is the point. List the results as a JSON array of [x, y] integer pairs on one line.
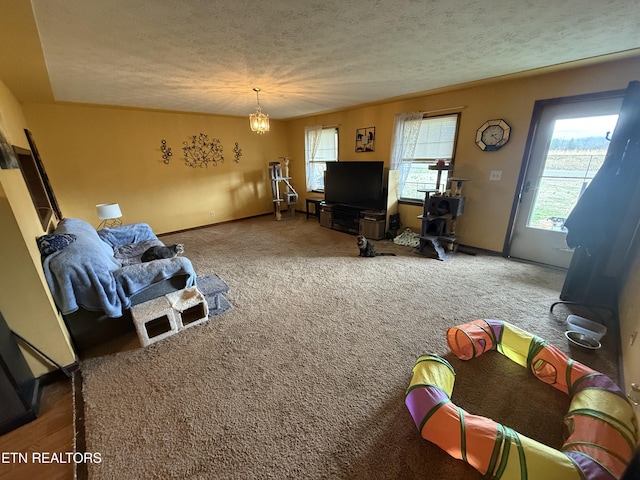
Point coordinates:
[[582, 340], [588, 327]]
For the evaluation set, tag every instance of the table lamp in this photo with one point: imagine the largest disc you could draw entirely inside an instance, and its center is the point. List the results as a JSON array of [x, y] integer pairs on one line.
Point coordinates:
[[110, 215]]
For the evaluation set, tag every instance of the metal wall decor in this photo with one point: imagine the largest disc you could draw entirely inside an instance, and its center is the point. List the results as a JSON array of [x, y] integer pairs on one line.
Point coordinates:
[[166, 152], [201, 151], [365, 139], [237, 153]]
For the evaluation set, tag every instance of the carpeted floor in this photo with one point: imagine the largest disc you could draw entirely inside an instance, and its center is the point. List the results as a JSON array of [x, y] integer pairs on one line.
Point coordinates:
[[305, 376]]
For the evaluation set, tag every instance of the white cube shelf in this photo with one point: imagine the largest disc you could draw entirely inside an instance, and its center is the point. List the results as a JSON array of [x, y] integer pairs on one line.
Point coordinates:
[[165, 316], [154, 320]]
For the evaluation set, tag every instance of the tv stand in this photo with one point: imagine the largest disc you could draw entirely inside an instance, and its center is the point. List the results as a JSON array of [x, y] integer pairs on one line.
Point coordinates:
[[373, 224], [354, 220], [345, 218]]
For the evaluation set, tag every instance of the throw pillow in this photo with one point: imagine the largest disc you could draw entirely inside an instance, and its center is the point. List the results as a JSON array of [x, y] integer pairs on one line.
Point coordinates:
[[48, 244]]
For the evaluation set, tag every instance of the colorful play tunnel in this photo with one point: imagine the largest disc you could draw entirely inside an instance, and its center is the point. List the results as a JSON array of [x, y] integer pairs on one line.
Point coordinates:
[[602, 427]]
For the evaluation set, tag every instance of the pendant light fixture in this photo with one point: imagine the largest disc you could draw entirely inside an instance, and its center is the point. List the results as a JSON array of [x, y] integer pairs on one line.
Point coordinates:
[[259, 121]]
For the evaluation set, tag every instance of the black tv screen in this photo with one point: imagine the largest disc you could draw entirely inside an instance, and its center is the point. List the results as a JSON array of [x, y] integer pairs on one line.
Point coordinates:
[[357, 184]]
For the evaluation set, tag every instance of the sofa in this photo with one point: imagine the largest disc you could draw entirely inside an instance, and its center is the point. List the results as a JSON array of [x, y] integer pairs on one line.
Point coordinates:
[[95, 277]]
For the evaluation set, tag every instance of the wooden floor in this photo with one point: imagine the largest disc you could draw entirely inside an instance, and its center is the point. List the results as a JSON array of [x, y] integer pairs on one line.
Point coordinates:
[[51, 432]]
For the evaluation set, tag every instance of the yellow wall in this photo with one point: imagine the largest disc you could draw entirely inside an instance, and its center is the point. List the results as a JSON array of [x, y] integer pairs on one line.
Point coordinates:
[[102, 155], [97, 155], [485, 220], [25, 300]]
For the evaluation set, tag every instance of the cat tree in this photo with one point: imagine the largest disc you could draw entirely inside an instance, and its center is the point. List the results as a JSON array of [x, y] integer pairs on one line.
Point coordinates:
[[286, 195]]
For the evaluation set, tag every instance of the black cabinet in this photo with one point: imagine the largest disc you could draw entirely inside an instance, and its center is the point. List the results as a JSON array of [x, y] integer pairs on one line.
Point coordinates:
[[345, 218], [19, 390]]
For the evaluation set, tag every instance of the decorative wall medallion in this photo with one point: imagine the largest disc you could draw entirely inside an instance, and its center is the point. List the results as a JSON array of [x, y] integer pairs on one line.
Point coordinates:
[[201, 151], [237, 153], [166, 152]]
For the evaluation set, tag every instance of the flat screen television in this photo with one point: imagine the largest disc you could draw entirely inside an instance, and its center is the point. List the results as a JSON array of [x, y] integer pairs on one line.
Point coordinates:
[[356, 184]]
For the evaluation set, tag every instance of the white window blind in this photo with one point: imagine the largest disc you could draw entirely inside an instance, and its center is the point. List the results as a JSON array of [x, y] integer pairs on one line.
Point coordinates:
[[435, 141]]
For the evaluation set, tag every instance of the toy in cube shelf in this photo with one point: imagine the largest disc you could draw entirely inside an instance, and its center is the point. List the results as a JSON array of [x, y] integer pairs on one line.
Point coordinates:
[[603, 430]]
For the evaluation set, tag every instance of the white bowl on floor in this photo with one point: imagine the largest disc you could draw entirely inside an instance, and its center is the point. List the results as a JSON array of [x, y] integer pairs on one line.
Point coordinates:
[[588, 327], [582, 340]]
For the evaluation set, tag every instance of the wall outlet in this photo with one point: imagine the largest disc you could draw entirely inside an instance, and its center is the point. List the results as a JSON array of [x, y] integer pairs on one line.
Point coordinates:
[[212, 213], [495, 175]]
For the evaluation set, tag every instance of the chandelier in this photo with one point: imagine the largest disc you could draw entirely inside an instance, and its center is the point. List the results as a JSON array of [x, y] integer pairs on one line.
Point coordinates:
[[259, 121]]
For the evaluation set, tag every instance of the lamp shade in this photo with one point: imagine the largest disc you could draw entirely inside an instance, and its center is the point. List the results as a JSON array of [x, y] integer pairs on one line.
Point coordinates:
[[108, 210]]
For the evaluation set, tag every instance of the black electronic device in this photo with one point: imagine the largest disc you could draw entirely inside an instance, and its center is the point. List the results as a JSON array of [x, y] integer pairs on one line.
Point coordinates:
[[394, 225], [356, 184]]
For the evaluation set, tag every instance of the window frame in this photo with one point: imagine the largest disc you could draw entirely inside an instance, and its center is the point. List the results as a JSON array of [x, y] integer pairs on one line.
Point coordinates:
[[308, 161], [433, 161]]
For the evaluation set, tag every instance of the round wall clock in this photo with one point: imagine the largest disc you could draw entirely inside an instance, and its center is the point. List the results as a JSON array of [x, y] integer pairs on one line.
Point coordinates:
[[492, 135]]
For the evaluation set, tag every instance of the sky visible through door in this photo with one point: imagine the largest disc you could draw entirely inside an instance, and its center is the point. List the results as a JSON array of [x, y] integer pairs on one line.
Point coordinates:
[[576, 151]]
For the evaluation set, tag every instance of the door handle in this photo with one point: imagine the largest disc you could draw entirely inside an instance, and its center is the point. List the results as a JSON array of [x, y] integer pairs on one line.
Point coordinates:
[[525, 189]]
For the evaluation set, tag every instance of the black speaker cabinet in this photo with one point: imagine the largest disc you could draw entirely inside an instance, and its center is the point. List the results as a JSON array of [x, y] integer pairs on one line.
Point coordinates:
[[439, 205], [394, 221], [19, 390]]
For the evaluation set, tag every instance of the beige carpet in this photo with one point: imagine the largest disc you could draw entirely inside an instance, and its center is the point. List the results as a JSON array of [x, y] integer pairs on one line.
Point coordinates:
[[305, 376]]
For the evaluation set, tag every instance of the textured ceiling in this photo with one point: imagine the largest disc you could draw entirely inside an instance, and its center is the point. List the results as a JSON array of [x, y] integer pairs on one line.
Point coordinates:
[[309, 56]]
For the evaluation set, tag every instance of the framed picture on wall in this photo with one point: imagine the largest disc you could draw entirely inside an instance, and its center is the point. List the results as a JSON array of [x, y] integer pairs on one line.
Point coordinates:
[[365, 139]]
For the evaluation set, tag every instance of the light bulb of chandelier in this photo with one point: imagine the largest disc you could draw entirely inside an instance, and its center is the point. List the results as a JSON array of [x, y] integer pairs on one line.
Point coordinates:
[[258, 121]]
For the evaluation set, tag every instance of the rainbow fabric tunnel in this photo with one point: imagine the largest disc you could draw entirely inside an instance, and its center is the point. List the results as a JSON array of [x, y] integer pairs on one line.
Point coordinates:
[[602, 428]]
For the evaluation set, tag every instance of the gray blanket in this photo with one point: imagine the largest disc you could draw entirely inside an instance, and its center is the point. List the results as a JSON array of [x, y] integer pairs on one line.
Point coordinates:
[[86, 273]]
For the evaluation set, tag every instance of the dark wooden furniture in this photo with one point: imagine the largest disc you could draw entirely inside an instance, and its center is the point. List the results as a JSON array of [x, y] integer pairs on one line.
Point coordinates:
[[351, 219], [316, 207], [19, 390]]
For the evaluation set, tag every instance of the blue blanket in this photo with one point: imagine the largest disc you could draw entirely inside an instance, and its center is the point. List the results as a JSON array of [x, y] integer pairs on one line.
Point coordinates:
[[126, 234], [86, 274]]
